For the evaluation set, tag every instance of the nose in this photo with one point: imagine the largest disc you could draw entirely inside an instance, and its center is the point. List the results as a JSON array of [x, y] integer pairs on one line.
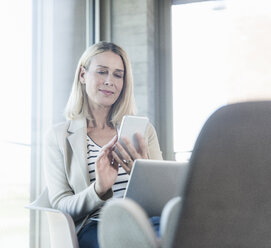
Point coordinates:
[[108, 81]]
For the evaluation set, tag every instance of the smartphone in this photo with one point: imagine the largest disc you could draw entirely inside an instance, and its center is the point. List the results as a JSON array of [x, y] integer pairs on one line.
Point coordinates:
[[131, 125]]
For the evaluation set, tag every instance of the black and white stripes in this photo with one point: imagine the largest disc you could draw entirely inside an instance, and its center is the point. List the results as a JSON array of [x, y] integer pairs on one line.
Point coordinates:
[[92, 153]]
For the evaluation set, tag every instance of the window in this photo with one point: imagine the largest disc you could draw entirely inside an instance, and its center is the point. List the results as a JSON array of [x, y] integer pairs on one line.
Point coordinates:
[[221, 54], [15, 102]]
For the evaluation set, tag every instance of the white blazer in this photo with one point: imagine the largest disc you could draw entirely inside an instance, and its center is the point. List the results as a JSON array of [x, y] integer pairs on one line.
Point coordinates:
[[66, 169]]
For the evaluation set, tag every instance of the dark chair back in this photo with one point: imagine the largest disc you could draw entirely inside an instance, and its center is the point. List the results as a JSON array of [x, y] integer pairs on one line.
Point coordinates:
[[228, 197]]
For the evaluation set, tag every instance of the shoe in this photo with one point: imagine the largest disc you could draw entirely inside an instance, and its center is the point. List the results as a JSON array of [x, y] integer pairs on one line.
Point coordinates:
[[124, 224]]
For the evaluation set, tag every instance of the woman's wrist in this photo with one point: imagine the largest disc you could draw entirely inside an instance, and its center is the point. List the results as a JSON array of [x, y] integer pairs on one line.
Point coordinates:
[[104, 195], [97, 189]]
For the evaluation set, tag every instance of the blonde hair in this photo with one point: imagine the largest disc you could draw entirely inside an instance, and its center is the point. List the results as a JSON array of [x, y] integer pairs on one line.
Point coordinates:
[[78, 105]]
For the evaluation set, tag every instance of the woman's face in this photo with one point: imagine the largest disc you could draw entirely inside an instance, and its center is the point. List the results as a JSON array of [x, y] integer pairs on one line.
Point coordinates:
[[103, 79]]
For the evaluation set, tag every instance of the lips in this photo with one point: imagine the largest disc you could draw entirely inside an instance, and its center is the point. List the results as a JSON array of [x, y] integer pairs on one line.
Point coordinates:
[[106, 92]]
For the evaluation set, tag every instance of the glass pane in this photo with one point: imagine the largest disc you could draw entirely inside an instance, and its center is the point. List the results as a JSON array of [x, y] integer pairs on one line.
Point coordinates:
[[221, 55], [198, 71], [15, 70], [15, 107]]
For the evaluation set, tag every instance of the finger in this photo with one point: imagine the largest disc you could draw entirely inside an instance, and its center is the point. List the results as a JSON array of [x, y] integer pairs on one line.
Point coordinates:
[[131, 149], [100, 160], [120, 162], [105, 157], [115, 165], [142, 145], [100, 156], [110, 144], [122, 151]]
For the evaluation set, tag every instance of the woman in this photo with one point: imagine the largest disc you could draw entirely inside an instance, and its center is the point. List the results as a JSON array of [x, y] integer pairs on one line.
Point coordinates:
[[82, 168]]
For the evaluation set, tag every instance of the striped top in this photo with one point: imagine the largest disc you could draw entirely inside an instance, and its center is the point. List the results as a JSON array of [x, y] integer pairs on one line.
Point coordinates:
[[121, 182]]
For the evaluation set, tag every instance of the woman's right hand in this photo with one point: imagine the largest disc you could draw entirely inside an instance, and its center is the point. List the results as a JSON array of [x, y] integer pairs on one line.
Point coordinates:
[[106, 172], [126, 158]]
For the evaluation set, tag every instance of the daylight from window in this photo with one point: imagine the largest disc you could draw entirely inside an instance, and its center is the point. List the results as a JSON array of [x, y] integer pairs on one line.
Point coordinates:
[[221, 55], [15, 102]]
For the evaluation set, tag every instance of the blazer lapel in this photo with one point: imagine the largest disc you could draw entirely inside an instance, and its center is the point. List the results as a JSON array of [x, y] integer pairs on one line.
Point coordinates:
[[78, 143]]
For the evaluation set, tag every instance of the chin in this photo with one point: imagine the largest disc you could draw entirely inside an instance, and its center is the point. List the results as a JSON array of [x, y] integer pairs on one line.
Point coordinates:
[[108, 104]]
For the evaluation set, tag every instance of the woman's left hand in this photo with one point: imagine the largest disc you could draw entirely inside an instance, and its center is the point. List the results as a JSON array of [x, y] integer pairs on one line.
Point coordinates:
[[127, 158]]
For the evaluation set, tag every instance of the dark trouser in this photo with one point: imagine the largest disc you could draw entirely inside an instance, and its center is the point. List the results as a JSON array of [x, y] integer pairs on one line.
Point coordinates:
[[88, 237]]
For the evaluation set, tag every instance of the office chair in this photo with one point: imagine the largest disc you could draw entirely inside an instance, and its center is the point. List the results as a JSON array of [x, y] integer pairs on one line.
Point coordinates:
[[228, 198], [61, 226], [227, 202]]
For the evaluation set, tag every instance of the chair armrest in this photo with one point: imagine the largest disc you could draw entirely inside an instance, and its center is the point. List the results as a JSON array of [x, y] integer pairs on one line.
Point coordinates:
[[42, 202], [62, 230], [61, 225]]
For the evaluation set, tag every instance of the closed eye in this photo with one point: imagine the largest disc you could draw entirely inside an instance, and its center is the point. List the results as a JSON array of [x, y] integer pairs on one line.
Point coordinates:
[[118, 75], [102, 72]]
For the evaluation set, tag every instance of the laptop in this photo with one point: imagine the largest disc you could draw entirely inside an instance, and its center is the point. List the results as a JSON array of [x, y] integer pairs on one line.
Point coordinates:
[[153, 183]]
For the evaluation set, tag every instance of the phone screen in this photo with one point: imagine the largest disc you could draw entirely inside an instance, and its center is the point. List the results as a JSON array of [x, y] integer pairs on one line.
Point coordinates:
[[131, 125]]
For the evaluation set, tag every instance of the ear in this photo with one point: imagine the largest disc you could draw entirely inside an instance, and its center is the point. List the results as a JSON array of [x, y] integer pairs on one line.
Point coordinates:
[[82, 74]]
